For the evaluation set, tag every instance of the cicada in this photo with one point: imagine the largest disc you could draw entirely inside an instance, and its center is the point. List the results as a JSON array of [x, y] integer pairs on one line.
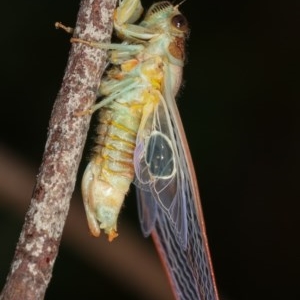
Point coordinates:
[[140, 139]]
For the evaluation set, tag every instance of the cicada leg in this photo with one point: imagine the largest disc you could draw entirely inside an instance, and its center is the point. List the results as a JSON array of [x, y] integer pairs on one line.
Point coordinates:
[[59, 25], [128, 12]]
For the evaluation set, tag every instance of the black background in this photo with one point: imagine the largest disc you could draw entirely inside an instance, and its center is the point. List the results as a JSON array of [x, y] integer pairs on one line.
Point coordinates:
[[240, 107]]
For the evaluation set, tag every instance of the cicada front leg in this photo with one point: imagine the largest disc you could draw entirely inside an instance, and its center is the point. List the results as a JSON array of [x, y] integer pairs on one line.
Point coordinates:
[[128, 11]]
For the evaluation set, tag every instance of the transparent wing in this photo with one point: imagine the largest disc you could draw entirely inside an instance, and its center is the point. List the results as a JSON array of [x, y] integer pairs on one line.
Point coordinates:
[[162, 202], [159, 172]]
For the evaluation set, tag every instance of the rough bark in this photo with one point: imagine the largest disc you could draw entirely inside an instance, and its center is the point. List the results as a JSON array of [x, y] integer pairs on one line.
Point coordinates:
[[39, 241]]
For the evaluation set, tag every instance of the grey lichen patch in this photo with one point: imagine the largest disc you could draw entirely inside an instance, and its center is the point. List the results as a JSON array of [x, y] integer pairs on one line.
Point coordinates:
[[35, 247], [106, 17], [15, 265], [47, 221], [56, 146], [91, 29], [32, 267]]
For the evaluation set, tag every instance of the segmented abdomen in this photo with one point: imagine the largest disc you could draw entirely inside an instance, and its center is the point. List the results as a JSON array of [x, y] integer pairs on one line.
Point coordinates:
[[131, 94], [115, 143]]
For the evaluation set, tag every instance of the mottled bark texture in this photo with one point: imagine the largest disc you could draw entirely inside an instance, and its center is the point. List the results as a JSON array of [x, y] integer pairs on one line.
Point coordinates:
[[39, 241]]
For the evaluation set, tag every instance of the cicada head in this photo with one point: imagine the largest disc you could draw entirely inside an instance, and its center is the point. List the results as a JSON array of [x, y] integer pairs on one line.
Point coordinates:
[[164, 16]]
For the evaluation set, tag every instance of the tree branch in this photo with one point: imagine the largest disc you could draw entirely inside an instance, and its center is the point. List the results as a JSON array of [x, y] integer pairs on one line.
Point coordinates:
[[124, 261], [39, 241]]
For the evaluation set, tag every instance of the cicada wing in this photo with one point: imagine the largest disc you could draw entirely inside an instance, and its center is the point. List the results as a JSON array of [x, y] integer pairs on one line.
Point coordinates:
[[147, 211], [158, 172], [183, 248]]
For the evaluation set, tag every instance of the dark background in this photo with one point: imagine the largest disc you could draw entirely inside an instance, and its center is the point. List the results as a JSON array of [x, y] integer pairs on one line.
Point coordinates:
[[240, 107]]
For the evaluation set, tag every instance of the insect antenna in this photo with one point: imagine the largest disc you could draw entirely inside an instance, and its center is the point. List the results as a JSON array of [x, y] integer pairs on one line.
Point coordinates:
[[179, 4]]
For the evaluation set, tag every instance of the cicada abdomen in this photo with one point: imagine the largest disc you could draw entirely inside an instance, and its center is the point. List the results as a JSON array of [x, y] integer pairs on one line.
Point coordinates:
[[107, 177], [133, 92]]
